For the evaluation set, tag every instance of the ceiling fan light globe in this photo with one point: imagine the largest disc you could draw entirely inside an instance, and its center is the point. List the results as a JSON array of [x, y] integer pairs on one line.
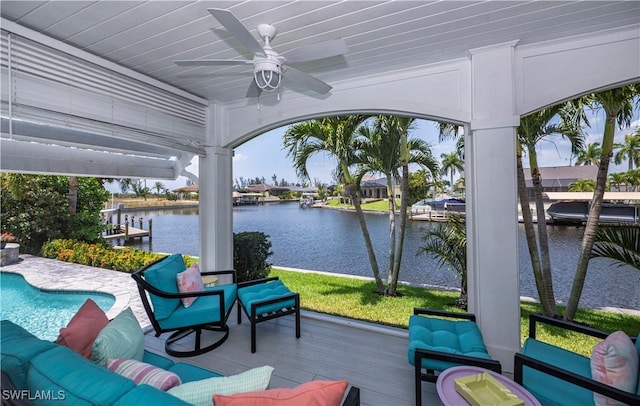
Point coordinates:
[[267, 80]]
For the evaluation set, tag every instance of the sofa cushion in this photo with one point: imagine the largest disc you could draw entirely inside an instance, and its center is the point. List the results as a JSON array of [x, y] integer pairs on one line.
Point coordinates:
[[201, 392], [145, 395], [190, 281], [549, 390], [203, 311], [315, 393], [445, 336], [18, 348], [190, 373], [157, 360], [121, 338], [614, 362], [638, 349], [162, 275], [142, 373], [83, 328], [61, 371]]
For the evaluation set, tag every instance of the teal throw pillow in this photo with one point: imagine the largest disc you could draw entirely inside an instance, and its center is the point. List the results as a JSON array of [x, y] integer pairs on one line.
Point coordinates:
[[201, 392], [121, 338]]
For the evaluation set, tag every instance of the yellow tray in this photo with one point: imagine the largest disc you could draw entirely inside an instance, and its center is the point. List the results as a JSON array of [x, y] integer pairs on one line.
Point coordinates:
[[485, 390]]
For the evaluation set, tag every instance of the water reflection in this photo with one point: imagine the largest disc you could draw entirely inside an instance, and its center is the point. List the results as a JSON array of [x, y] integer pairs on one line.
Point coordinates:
[[331, 241]]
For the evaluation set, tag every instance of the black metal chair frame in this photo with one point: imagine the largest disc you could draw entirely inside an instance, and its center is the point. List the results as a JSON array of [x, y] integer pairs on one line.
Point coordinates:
[[255, 318], [421, 354], [521, 361], [182, 332]]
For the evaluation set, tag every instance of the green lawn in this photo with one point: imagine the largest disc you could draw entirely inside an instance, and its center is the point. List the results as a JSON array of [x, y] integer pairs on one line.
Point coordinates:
[[356, 299], [378, 205]]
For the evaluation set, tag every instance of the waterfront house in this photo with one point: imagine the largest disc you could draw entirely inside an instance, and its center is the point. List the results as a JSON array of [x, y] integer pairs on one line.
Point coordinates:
[[91, 88], [558, 178]]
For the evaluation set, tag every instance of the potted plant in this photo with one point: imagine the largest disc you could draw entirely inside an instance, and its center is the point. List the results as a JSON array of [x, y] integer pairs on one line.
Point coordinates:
[[5, 238]]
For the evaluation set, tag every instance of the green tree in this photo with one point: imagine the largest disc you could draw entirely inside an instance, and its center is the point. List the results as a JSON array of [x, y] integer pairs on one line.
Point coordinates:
[[582, 185], [447, 243], [619, 243], [159, 188], [452, 162], [618, 105], [385, 147], [629, 150], [418, 187], [35, 208], [589, 155], [336, 137], [632, 180], [534, 128], [616, 180]]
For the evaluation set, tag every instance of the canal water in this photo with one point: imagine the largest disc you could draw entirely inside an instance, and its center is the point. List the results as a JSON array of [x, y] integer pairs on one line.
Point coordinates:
[[331, 241]]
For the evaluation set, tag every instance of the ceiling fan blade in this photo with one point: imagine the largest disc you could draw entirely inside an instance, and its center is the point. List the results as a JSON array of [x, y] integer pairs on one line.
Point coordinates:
[[309, 81], [315, 51], [254, 90], [213, 62], [237, 29]]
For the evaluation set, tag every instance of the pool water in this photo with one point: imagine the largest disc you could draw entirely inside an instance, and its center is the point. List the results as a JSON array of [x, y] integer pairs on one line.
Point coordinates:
[[42, 312]]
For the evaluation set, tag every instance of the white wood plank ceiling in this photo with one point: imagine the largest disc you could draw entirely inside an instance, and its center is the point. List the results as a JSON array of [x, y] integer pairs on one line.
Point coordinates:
[[382, 36]]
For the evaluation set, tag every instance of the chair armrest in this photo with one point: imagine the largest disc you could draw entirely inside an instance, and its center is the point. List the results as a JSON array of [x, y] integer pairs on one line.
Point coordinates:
[[521, 360], [256, 282], [353, 397], [538, 318], [490, 364], [444, 313]]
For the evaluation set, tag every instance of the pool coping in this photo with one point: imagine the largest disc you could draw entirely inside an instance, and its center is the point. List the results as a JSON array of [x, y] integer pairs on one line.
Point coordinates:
[[53, 275]]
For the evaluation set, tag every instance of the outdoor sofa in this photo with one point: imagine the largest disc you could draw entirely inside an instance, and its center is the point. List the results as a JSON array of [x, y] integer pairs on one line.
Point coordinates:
[[43, 372]]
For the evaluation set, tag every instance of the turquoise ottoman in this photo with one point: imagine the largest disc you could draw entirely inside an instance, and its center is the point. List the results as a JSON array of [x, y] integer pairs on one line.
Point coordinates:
[[266, 299]]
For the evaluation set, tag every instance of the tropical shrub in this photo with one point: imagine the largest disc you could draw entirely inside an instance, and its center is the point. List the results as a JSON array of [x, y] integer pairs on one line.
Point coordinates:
[[251, 249], [35, 208], [101, 255]]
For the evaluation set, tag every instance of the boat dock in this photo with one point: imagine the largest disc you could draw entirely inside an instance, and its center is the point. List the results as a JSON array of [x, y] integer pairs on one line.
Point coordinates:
[[116, 230]]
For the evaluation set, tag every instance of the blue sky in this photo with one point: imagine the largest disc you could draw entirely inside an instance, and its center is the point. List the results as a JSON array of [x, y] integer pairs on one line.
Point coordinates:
[[264, 156]]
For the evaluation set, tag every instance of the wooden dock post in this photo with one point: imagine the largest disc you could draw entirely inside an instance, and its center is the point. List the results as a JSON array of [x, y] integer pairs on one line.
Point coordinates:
[[150, 229]]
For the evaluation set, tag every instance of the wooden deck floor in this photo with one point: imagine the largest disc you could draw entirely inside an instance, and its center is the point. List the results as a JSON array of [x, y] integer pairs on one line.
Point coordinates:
[[371, 357]]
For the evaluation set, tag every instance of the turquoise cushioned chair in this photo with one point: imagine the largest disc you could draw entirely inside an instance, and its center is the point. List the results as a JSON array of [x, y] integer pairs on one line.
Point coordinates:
[[556, 376], [161, 299], [436, 343]]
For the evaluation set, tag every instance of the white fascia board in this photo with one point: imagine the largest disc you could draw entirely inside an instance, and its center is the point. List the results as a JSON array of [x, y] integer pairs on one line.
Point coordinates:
[[29, 157]]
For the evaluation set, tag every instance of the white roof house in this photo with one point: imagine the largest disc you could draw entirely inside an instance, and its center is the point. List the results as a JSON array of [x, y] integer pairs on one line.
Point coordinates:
[[91, 88]]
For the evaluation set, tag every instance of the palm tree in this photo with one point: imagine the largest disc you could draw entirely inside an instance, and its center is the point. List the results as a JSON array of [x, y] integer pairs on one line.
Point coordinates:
[[589, 155], [618, 105], [451, 163], [632, 180], [622, 244], [582, 185], [448, 245], [336, 137], [616, 180], [159, 187], [385, 148], [532, 130], [630, 150]]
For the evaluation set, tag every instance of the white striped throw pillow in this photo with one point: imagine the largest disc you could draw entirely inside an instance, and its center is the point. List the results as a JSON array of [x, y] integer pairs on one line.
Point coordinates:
[[143, 373]]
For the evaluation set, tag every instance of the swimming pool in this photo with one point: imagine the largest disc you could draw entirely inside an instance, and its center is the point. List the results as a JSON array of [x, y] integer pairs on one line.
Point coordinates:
[[42, 312]]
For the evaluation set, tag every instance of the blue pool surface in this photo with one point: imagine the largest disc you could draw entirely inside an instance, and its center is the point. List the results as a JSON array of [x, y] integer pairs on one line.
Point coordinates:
[[42, 312]]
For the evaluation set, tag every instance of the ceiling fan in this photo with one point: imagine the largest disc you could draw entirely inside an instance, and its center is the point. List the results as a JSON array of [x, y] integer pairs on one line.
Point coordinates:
[[269, 67]]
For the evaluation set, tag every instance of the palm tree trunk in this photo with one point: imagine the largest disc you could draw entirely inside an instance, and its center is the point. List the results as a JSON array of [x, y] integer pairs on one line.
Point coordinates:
[[532, 244], [393, 286], [591, 228], [73, 194], [352, 192], [543, 237], [392, 229]]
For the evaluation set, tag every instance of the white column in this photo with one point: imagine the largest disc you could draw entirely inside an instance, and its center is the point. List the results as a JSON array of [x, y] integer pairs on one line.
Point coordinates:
[[215, 192], [492, 226]]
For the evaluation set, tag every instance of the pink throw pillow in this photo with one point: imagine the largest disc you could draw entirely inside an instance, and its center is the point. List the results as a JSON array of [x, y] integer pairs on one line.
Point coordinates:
[[190, 281], [83, 328], [614, 362], [314, 393]]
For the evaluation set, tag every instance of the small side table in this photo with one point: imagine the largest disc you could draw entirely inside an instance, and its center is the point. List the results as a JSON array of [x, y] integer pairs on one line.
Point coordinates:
[[209, 280], [449, 396]]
